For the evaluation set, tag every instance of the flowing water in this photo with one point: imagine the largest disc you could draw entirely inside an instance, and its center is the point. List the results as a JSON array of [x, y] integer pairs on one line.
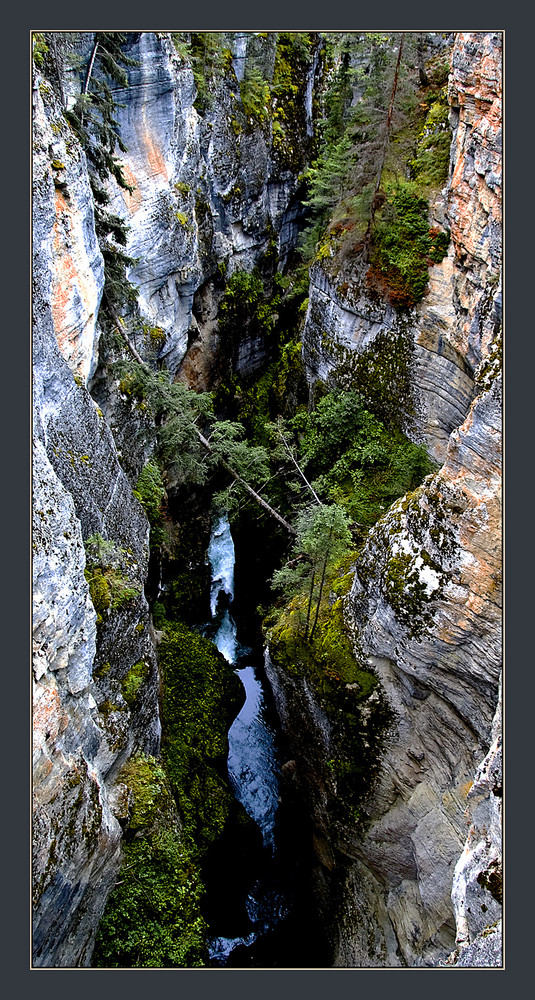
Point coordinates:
[[253, 759]]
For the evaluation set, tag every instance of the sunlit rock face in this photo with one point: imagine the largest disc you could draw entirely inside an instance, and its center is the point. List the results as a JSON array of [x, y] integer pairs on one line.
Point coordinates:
[[83, 726], [474, 202], [74, 258], [208, 193]]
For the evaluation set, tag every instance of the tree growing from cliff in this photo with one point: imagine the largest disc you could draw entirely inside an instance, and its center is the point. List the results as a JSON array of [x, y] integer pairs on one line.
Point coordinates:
[[369, 112], [323, 538]]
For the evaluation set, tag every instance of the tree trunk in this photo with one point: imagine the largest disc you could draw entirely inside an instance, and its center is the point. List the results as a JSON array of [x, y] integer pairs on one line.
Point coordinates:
[[298, 467], [90, 68], [205, 443], [256, 496], [322, 581], [309, 608], [386, 142]]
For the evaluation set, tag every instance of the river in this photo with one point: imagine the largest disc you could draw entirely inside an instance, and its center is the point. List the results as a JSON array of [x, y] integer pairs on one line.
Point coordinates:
[[252, 879]]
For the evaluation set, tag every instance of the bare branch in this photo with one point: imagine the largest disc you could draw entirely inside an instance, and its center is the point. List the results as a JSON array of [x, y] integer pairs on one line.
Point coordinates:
[[297, 466]]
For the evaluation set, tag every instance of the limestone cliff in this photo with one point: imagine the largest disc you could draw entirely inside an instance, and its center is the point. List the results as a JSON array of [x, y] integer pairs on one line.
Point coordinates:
[[214, 192], [83, 726], [208, 192], [425, 606], [211, 194]]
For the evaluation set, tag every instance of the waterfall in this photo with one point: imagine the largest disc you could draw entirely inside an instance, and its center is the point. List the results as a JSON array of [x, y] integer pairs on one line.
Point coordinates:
[[252, 761], [221, 556]]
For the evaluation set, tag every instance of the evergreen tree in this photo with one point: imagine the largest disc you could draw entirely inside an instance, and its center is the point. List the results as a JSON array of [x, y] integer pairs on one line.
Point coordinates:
[[323, 537]]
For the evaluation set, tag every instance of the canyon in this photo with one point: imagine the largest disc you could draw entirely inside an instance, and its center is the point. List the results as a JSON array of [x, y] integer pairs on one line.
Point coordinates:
[[216, 186]]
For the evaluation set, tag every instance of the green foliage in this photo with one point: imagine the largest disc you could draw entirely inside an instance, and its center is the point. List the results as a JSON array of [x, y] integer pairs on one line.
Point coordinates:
[[108, 575], [341, 681], [39, 48], [430, 165], [152, 917], [354, 459], [176, 411], [244, 306], [209, 59], [342, 179], [323, 538], [134, 680], [402, 247], [150, 491], [369, 141], [292, 58], [440, 241], [381, 375], [200, 696], [255, 94]]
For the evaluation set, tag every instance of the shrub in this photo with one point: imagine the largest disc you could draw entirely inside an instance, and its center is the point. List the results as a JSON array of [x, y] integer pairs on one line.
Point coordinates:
[[107, 573], [200, 696], [151, 493], [403, 247]]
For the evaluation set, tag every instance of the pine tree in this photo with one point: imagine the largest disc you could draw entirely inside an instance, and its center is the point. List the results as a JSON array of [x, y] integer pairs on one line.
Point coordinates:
[[323, 538]]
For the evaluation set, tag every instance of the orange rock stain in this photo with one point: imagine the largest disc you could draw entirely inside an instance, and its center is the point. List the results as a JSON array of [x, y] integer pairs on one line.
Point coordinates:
[[68, 276], [154, 156]]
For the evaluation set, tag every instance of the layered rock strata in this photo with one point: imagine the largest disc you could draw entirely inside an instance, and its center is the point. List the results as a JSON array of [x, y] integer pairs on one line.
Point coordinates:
[[210, 195], [204, 193], [83, 726], [425, 605]]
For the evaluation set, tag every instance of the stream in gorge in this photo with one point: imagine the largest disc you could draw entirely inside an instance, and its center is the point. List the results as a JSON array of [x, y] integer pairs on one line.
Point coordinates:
[[256, 880]]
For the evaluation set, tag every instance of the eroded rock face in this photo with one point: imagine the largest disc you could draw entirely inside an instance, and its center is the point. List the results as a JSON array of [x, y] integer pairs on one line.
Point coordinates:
[[74, 257], [425, 606], [208, 193], [83, 726], [454, 328], [477, 880], [414, 358]]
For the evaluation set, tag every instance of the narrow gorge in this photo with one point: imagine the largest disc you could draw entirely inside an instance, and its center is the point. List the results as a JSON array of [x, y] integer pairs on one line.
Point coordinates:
[[267, 481]]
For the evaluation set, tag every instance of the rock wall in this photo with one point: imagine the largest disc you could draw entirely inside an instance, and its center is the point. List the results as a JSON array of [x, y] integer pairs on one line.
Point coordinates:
[[83, 726], [425, 606], [210, 195], [207, 191], [446, 337]]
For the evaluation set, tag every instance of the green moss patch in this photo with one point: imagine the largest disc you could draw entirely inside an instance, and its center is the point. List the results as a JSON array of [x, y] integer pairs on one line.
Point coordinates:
[[346, 689], [151, 493], [152, 917], [201, 695], [134, 680], [108, 575]]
